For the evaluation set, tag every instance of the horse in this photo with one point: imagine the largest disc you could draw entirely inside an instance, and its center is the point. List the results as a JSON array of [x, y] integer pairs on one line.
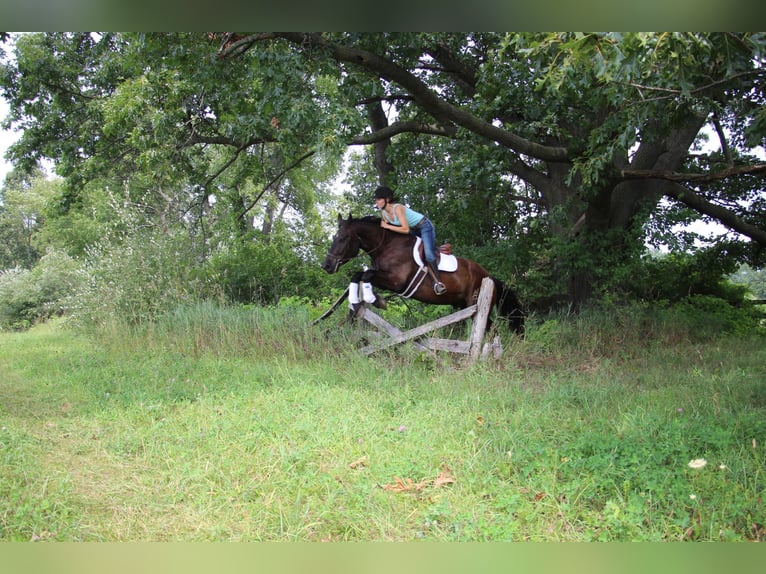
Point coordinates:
[[395, 269]]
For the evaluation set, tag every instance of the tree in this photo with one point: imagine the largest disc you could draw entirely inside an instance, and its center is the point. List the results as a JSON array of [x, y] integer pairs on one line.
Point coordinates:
[[575, 145], [152, 122], [155, 116], [600, 127], [24, 204]]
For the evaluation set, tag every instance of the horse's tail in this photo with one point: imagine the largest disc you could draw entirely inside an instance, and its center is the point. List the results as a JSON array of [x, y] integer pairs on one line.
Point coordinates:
[[509, 306]]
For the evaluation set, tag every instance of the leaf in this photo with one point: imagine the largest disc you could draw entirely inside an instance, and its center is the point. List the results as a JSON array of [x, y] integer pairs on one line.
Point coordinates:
[[406, 485], [445, 477], [359, 462]]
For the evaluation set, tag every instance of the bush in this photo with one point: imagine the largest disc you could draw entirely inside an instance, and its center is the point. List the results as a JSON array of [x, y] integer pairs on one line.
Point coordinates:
[[676, 276], [614, 328], [135, 280], [706, 315], [255, 271], [27, 296], [17, 298]]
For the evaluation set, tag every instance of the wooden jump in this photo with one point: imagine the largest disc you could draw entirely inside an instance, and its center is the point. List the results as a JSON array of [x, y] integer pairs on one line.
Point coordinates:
[[474, 347]]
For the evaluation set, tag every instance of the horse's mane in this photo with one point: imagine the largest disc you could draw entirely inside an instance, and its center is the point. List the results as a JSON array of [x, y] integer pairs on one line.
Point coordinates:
[[374, 221], [368, 219]]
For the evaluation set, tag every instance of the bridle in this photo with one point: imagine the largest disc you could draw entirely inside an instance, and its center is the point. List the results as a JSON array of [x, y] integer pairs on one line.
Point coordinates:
[[340, 260]]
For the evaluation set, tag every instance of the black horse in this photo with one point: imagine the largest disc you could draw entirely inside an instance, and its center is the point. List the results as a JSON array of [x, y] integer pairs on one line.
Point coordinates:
[[394, 269]]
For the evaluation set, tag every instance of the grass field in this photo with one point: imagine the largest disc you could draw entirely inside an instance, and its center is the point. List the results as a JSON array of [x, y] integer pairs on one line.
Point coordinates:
[[231, 424]]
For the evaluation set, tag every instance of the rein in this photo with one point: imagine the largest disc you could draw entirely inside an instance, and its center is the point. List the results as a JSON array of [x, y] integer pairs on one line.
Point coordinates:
[[378, 246], [382, 233]]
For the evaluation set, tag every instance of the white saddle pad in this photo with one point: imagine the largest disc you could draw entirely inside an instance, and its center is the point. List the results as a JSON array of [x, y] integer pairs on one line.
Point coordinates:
[[446, 262]]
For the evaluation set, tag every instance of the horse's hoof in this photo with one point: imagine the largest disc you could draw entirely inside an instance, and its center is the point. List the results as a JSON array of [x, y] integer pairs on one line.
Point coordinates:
[[380, 303]]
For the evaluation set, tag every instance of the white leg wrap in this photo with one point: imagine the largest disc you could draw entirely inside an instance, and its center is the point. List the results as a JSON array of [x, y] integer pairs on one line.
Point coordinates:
[[353, 293], [367, 293]]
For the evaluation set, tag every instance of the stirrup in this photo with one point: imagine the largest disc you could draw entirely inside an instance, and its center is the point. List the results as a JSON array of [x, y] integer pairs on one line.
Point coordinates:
[[439, 288]]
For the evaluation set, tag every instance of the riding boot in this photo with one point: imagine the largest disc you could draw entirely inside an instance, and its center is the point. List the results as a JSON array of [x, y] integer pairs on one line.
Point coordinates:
[[439, 287]]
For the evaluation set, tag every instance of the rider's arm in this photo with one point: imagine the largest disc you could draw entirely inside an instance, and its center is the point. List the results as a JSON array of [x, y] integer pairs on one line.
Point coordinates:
[[404, 226]]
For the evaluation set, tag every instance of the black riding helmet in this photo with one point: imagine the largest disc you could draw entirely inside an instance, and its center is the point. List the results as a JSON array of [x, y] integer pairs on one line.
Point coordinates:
[[384, 192]]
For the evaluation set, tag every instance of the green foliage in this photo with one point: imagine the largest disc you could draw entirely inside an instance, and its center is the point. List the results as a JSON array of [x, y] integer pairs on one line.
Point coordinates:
[[705, 314], [753, 279], [17, 298], [614, 328], [24, 206], [252, 270], [28, 296], [135, 279], [549, 140], [675, 276]]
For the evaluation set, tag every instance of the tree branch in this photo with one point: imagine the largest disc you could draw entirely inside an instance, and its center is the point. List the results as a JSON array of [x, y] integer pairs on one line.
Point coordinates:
[[233, 44], [279, 176], [224, 167], [722, 214], [722, 139], [422, 93], [675, 92], [402, 127], [753, 169], [463, 75]]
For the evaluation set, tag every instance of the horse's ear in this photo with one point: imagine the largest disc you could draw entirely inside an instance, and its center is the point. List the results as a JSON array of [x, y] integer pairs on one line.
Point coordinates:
[[349, 216], [340, 218]]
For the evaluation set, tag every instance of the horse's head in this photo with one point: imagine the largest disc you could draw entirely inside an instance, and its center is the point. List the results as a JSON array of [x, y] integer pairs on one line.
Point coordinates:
[[345, 246]]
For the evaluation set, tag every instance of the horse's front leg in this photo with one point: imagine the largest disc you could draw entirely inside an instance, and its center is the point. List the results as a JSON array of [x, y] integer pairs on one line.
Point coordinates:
[[360, 291], [368, 295]]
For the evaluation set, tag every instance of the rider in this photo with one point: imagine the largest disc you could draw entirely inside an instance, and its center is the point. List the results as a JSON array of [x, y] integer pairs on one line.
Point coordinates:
[[401, 219]]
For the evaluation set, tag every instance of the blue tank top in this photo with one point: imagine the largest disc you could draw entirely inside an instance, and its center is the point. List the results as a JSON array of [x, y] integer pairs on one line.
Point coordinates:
[[413, 217]]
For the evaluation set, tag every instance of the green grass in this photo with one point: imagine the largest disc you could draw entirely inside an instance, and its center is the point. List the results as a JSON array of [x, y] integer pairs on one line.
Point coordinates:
[[230, 424]]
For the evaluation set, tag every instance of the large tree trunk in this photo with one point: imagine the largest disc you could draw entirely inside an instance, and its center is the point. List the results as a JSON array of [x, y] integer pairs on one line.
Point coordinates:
[[614, 210], [630, 198], [379, 121]]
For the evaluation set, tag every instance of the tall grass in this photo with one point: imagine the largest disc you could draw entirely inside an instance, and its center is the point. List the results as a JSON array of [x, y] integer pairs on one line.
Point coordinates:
[[217, 423]]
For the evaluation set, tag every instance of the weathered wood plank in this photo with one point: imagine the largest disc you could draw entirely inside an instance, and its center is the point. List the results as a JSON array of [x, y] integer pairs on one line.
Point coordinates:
[[422, 330], [371, 317], [451, 345]]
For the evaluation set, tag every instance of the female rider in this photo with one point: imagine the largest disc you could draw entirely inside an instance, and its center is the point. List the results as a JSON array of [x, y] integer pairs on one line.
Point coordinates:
[[401, 219]]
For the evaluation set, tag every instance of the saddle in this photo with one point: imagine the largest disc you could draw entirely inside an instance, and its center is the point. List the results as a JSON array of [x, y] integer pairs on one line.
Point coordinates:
[[445, 261]]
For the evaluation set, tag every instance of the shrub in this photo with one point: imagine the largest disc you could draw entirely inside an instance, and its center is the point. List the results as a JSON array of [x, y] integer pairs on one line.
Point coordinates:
[[17, 298], [676, 276], [707, 315], [134, 280], [27, 296], [255, 271]]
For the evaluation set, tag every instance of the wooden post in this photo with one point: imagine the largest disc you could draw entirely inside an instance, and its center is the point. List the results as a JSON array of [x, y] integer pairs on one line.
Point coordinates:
[[483, 306]]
